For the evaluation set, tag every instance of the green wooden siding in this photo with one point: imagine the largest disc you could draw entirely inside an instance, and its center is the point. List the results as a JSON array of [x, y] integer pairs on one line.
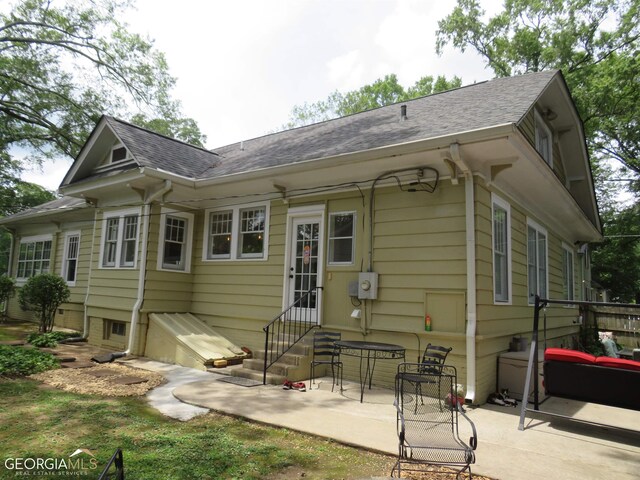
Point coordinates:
[[498, 323], [112, 289], [165, 291], [239, 297], [528, 128]]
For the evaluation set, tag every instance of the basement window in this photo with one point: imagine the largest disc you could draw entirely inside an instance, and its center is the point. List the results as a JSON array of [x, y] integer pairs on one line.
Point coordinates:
[[114, 328]]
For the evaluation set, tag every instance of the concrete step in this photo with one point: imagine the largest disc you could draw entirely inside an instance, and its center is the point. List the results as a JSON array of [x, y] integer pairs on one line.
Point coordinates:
[[272, 379], [300, 348], [290, 358]]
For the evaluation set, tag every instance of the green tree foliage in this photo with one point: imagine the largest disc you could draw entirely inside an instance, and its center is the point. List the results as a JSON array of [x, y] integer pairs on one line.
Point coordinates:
[[15, 195], [383, 91], [595, 43], [43, 294], [616, 262], [64, 63]]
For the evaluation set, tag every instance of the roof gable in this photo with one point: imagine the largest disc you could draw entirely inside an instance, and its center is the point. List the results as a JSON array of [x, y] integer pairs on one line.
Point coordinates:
[[144, 149]]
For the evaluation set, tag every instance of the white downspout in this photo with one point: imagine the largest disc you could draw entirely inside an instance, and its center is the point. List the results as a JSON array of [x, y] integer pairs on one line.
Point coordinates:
[[471, 270], [85, 328], [135, 313]]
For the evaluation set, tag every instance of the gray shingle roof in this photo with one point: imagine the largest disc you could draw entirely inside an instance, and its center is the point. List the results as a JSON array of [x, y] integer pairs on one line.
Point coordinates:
[[481, 105], [57, 206], [153, 150]]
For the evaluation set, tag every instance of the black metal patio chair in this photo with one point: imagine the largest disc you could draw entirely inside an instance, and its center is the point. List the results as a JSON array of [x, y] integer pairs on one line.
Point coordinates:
[[433, 358], [427, 421], [326, 353]]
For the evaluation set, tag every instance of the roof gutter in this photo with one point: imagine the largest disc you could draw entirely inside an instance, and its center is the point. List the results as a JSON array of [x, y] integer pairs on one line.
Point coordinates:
[[405, 148], [454, 151]]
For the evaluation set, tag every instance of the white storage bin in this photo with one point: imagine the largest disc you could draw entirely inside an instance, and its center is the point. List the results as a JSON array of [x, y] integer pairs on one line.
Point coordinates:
[[512, 368]]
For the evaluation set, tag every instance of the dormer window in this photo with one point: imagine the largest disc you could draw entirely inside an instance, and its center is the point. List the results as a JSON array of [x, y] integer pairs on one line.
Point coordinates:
[[118, 153], [544, 140]]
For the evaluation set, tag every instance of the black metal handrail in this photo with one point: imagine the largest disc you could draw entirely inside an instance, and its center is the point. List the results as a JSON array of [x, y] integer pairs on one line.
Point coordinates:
[[118, 461], [288, 328]]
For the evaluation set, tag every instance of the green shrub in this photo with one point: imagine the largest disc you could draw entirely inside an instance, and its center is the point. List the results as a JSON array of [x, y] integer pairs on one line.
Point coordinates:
[[19, 361], [43, 294], [49, 339]]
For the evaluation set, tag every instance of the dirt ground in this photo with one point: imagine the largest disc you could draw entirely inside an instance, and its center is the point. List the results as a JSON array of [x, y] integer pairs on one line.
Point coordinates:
[[102, 380], [108, 379]]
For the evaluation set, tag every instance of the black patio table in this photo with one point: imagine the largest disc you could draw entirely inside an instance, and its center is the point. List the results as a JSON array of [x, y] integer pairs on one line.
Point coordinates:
[[369, 351]]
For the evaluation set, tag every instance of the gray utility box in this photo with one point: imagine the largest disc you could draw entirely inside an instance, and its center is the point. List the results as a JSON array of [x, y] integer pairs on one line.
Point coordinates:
[[512, 369]]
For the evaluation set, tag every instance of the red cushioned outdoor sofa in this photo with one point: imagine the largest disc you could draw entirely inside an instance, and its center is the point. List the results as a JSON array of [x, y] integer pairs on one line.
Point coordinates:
[[581, 376]]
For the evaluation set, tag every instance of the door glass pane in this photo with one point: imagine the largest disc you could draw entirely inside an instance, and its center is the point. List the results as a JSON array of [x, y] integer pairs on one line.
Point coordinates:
[[305, 262]]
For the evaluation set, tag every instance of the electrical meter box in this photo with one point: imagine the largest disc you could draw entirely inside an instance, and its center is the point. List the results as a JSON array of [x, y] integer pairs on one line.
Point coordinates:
[[368, 285]]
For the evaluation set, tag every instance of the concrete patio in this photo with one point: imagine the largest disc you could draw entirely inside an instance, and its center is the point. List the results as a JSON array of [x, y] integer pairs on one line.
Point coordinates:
[[554, 449]]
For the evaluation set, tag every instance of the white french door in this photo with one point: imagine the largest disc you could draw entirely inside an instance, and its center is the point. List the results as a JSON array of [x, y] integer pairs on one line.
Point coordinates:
[[304, 266]]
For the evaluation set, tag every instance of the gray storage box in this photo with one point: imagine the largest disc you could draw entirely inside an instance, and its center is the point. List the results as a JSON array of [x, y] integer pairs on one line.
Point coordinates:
[[512, 368]]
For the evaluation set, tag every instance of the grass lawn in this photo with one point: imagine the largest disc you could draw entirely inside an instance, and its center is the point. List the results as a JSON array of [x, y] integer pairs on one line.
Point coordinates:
[[43, 422], [13, 330]]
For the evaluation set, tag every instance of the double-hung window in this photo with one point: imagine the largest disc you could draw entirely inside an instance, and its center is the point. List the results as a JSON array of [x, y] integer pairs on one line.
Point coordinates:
[[341, 238], [120, 239], [34, 256], [568, 282], [501, 213], [176, 234], [251, 236], [237, 233], [537, 260], [544, 140], [70, 258]]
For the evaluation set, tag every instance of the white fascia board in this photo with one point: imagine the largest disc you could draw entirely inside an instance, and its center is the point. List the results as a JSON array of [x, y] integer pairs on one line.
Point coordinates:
[[84, 187], [350, 158]]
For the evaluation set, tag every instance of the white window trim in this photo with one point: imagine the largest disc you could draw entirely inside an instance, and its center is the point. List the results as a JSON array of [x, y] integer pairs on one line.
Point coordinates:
[[567, 248], [120, 214], [235, 234], [353, 238], [542, 125], [189, 217], [65, 257], [536, 226], [34, 239], [496, 200]]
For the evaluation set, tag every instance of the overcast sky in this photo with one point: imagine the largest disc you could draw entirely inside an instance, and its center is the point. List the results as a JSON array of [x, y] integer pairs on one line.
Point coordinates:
[[242, 65]]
